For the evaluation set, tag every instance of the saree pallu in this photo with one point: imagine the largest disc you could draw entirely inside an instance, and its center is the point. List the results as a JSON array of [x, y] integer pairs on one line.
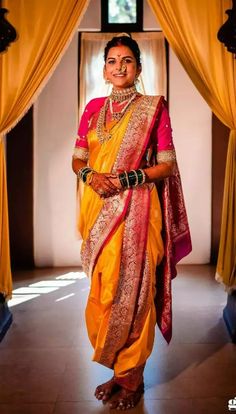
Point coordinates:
[[122, 248]]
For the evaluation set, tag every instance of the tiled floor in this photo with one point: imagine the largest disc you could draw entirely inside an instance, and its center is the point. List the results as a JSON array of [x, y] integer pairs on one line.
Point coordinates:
[[45, 365]]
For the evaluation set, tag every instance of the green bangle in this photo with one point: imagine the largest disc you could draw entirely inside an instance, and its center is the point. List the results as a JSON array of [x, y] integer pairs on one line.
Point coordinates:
[[83, 172], [123, 180], [132, 178]]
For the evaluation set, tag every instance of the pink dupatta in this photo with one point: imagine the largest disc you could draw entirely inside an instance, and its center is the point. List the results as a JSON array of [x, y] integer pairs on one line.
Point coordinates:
[[177, 244]]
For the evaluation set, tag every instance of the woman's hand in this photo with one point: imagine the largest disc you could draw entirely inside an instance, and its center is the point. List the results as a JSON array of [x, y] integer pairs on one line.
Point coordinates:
[[105, 185], [116, 181]]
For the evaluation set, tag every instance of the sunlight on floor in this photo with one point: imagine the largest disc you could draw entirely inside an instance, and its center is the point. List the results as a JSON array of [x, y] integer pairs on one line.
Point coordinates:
[[65, 297], [72, 275], [17, 299], [34, 290]]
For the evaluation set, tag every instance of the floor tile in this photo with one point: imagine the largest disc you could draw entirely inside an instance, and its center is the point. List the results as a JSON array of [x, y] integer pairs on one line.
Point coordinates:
[[165, 406], [45, 358], [79, 382], [210, 406], [177, 387], [87, 407], [144, 407], [21, 384], [32, 358], [26, 408]]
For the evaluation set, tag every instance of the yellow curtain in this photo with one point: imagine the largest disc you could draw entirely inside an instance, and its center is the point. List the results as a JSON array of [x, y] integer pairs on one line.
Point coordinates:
[[191, 27], [44, 30]]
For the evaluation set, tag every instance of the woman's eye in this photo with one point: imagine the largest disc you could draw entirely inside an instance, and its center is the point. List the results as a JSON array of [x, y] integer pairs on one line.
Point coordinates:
[[128, 60], [111, 62]]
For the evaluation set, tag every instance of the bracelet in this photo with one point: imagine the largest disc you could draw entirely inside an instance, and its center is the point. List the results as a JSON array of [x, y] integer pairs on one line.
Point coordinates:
[[85, 173], [141, 176], [132, 178], [123, 180], [89, 177]]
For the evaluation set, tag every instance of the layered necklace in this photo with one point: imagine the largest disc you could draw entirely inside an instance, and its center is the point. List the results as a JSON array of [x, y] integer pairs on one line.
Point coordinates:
[[118, 96]]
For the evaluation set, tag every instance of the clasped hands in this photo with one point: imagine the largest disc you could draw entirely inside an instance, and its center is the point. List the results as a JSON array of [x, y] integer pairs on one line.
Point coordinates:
[[105, 184]]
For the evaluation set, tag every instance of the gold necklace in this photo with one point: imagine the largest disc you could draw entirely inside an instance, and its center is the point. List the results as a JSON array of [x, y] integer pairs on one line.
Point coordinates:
[[121, 95], [103, 134], [118, 115]]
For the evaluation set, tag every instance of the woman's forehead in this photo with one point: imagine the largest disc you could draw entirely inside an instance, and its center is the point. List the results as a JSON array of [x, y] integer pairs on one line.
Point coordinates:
[[120, 51]]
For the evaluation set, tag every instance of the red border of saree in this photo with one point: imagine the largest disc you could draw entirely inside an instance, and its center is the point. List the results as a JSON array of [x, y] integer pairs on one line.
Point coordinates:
[[176, 234]]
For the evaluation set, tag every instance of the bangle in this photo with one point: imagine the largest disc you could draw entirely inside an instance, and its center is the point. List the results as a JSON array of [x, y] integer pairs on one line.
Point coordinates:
[[127, 179], [89, 177], [141, 176], [83, 174], [132, 178], [123, 180]]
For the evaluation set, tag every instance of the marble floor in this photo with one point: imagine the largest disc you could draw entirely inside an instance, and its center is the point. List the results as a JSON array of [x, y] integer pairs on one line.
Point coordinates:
[[45, 357]]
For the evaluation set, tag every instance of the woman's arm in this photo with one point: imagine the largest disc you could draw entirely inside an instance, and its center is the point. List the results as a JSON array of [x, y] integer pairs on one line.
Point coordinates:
[[77, 164], [166, 158], [158, 172], [100, 183]]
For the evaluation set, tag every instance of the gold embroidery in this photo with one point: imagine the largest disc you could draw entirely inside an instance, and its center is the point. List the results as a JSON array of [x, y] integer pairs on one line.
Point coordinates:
[[132, 146], [166, 155], [126, 306], [107, 219], [133, 205], [132, 378], [175, 228], [144, 302], [130, 151], [81, 153], [178, 226]]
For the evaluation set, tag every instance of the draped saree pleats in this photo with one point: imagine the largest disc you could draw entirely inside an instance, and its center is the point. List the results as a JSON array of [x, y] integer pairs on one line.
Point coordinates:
[[124, 241], [121, 249]]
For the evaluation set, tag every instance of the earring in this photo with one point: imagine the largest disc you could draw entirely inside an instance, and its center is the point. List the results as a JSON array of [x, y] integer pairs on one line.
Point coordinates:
[[136, 80], [107, 82]]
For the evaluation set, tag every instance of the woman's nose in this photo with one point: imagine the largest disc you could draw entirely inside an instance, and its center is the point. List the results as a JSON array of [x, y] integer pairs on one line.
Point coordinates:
[[119, 66], [122, 67]]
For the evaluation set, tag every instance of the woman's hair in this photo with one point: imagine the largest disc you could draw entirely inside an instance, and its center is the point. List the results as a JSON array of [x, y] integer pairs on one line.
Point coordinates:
[[123, 40]]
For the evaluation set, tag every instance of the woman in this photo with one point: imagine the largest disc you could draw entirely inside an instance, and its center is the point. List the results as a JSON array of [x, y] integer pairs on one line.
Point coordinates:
[[130, 246]]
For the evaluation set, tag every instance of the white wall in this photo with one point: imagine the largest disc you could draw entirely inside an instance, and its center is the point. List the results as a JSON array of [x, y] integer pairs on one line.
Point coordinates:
[[55, 118], [191, 124], [92, 18], [55, 126]]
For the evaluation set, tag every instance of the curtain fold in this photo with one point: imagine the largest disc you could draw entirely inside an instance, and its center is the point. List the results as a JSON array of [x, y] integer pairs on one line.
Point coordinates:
[[5, 269], [44, 30], [191, 29], [227, 262]]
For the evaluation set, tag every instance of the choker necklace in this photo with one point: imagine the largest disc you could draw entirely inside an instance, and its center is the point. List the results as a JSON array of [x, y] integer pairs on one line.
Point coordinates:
[[121, 95]]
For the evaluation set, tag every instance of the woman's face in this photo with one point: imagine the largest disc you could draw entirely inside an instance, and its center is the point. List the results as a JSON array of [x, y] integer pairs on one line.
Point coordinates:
[[121, 67]]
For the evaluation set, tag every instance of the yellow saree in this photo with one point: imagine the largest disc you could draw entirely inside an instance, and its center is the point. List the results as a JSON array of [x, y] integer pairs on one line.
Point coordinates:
[[122, 246]]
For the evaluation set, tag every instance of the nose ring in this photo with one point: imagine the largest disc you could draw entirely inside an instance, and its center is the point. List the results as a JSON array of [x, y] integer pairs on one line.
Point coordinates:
[[123, 68]]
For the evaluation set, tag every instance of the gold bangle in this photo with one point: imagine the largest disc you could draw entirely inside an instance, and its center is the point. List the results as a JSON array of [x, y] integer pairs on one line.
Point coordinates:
[[89, 177]]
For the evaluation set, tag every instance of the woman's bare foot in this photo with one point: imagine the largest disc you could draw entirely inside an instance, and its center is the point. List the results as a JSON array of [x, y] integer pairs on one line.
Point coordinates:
[[105, 391], [127, 399]]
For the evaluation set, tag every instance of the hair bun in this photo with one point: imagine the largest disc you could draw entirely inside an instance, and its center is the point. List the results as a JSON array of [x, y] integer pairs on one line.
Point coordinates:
[[123, 34]]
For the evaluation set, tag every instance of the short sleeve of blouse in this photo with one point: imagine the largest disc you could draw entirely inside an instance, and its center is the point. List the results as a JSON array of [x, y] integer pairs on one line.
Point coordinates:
[[81, 148], [165, 147]]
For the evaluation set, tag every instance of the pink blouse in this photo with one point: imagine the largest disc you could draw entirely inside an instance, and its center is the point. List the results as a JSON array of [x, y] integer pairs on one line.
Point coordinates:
[[161, 137]]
